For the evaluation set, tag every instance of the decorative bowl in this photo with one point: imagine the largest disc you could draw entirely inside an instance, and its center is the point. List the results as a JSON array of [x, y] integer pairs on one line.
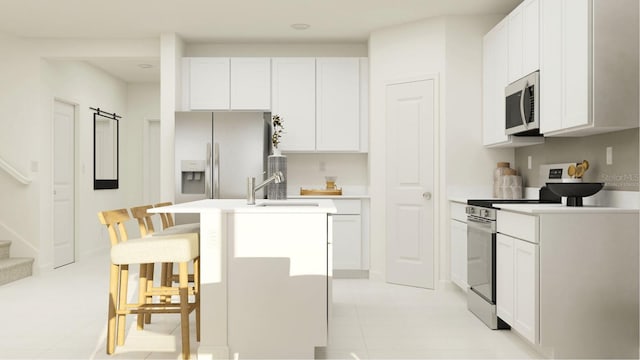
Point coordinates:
[[574, 192]]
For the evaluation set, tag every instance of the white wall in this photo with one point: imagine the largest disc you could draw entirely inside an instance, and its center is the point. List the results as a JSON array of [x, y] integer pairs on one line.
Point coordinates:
[[29, 84], [450, 47]]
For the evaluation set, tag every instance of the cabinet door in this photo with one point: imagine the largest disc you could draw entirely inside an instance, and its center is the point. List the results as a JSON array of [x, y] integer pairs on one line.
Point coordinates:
[[515, 43], [525, 295], [209, 83], [337, 104], [575, 62], [458, 233], [505, 278], [347, 242], [250, 83], [530, 37], [550, 65], [294, 99], [494, 77]]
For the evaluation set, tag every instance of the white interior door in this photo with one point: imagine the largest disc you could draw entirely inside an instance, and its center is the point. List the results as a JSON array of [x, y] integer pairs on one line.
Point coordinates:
[[63, 184], [410, 180]]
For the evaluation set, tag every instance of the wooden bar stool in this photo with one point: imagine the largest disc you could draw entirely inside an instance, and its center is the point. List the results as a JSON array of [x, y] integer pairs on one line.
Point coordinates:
[[179, 249], [169, 227]]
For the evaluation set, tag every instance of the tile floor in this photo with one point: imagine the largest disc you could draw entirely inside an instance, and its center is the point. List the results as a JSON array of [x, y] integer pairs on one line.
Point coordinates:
[[62, 315]]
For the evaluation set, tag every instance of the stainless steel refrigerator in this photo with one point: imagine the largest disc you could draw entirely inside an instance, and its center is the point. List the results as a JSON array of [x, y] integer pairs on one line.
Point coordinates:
[[215, 152]]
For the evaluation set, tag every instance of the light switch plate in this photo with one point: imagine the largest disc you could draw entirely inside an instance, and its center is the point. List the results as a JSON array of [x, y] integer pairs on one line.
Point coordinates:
[[609, 155]]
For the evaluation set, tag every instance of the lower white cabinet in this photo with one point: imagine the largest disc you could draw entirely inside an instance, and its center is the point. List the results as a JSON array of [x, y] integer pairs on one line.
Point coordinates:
[[347, 236], [458, 241], [517, 286]]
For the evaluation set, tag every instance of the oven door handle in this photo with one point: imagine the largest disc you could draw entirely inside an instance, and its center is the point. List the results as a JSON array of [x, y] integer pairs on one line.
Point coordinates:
[[484, 226]]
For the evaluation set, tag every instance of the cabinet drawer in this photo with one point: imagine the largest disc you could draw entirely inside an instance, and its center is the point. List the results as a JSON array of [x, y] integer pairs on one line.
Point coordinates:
[[520, 226], [457, 211], [348, 207]]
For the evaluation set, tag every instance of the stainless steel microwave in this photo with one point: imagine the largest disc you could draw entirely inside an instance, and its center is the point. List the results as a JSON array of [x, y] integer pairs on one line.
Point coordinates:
[[522, 106]]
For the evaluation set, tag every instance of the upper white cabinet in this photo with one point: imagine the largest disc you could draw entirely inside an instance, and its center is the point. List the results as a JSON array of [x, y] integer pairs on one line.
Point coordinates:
[[207, 83], [323, 102], [227, 83], [250, 83], [494, 76], [338, 104], [293, 89], [524, 42], [588, 66], [494, 80]]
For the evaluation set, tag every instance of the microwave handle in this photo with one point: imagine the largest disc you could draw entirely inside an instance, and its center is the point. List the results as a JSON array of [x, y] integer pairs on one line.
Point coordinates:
[[522, 116]]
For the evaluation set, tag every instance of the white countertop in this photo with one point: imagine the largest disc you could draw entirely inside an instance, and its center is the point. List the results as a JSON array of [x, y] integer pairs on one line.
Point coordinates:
[[241, 206], [562, 209]]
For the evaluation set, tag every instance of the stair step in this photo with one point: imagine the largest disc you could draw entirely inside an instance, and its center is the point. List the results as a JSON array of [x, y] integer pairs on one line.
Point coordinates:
[[4, 249], [13, 269]]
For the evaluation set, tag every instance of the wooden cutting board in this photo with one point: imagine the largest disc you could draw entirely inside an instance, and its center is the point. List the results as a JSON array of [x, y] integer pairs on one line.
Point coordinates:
[[320, 191]]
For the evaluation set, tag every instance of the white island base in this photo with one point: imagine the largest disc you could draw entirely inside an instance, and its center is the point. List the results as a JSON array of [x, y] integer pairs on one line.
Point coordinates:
[[265, 277]]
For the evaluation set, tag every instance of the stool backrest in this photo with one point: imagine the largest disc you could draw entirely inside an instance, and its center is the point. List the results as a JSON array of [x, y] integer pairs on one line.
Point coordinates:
[[145, 223], [167, 218], [114, 220]]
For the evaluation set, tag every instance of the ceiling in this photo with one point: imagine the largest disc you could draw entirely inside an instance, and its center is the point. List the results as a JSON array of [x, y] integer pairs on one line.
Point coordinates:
[[222, 21]]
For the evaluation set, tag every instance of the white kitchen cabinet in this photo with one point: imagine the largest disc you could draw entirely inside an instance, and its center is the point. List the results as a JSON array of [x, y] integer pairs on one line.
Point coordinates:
[[347, 235], [207, 83], [523, 43], [250, 87], [504, 278], [525, 289], [294, 99], [222, 83], [495, 79], [588, 66], [517, 269], [458, 248], [338, 104]]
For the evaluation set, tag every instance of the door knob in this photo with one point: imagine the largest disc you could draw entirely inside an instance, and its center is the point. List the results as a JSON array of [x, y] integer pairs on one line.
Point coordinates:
[[426, 195]]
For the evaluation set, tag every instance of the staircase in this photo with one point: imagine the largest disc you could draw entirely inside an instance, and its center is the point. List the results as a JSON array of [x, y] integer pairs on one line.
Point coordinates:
[[12, 269]]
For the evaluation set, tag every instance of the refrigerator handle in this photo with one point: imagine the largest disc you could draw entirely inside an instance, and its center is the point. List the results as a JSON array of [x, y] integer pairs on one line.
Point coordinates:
[[207, 174], [216, 171]]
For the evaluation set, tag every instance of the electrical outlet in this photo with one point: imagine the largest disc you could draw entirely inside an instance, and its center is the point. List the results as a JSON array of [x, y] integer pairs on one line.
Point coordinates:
[[323, 166], [609, 155], [529, 162]]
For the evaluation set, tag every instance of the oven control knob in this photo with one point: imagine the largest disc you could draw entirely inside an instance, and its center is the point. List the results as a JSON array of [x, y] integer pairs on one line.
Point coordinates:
[[469, 210], [484, 213]]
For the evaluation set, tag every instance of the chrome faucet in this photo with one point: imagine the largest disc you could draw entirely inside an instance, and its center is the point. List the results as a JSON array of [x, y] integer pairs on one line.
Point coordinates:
[[276, 178]]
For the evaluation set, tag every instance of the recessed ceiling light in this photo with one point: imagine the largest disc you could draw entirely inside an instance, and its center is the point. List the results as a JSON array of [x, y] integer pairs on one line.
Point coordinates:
[[145, 66], [300, 26]]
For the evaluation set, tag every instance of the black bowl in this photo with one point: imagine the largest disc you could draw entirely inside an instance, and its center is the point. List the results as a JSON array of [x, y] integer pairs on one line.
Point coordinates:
[[574, 192]]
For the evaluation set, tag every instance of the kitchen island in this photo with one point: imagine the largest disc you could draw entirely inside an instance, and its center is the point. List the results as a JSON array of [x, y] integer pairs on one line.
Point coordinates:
[[265, 276]]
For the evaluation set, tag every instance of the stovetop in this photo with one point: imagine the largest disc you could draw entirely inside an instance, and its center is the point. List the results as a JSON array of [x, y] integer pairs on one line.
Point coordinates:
[[488, 203]]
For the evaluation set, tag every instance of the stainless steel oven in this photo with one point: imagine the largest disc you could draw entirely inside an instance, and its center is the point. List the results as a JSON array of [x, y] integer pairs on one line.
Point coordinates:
[[481, 265]]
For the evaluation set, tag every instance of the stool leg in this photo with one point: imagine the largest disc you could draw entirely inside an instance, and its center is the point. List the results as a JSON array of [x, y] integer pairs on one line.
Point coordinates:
[[122, 302], [196, 285], [150, 276], [184, 309], [142, 294], [113, 300]]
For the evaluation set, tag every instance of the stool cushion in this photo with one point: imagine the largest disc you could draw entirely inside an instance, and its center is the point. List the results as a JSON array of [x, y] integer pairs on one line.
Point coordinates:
[[179, 229], [174, 248]]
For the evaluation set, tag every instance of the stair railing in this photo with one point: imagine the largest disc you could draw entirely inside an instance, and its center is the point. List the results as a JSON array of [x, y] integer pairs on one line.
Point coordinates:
[[14, 173]]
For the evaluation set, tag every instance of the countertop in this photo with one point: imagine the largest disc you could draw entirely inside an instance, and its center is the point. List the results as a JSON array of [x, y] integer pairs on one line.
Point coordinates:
[[241, 206], [562, 209], [328, 196]]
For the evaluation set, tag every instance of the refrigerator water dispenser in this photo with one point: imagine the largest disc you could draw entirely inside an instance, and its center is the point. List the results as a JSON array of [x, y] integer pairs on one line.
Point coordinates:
[[192, 176]]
